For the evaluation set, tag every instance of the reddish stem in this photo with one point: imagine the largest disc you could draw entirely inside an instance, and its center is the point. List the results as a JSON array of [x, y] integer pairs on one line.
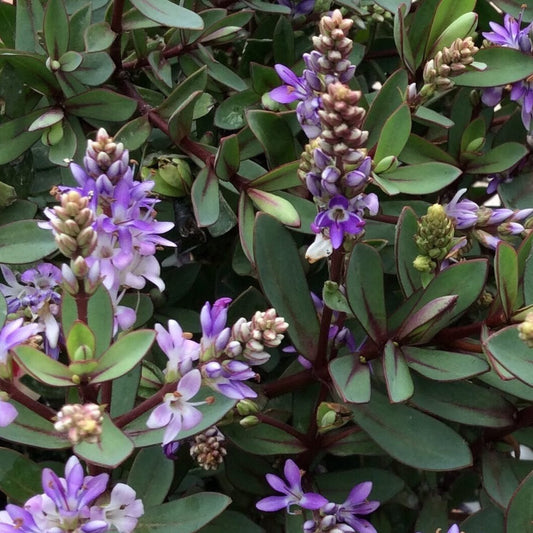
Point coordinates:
[[35, 406]]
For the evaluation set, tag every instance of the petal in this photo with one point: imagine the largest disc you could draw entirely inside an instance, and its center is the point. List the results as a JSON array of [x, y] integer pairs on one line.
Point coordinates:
[[293, 475], [336, 234], [191, 416], [284, 94], [360, 524], [160, 416], [277, 483], [272, 503], [190, 384], [8, 413], [312, 501], [358, 494], [172, 429]]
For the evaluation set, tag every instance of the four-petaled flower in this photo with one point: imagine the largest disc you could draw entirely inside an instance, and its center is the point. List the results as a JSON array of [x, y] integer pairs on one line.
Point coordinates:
[[176, 412], [293, 493]]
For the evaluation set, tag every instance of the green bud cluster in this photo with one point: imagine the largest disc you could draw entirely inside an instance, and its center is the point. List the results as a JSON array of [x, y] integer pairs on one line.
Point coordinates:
[[525, 330], [434, 238], [171, 174]]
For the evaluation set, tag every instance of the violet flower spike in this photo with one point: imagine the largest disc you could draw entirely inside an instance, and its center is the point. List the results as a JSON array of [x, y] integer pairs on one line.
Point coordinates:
[[176, 412], [357, 504], [293, 492]]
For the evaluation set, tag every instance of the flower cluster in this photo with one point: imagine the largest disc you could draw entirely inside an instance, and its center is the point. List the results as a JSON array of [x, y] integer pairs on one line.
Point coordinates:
[[511, 35], [35, 296], [80, 422], [488, 226], [334, 166], [328, 516], [222, 357], [121, 230], [74, 503]]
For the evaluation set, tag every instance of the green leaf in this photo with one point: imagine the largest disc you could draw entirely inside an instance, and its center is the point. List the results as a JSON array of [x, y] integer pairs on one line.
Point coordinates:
[[397, 376], [429, 117], [123, 355], [516, 8], [31, 429], [422, 325], [101, 104], [124, 392], [204, 195], [488, 520], [112, 450], [388, 99], [42, 367], [406, 251], [504, 65], [24, 242], [275, 206], [182, 92], [220, 72], [519, 514], [441, 365], [411, 437], [498, 159], [95, 69], [283, 280], [151, 475], [351, 378], [231, 113], [511, 352], [283, 42], [232, 520], [50, 117], [20, 478], [268, 7], [477, 129], [283, 177], [420, 150], [99, 37], [180, 122], [263, 439], [246, 226], [365, 291], [70, 61], [227, 159], [14, 137], [501, 476], [56, 28], [463, 402], [506, 273], [135, 133], [190, 513], [401, 38], [275, 136], [63, 151], [394, 133], [29, 21], [423, 178], [168, 14], [78, 336], [143, 436]]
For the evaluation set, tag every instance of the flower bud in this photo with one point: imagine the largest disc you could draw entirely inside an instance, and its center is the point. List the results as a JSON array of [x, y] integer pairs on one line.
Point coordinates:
[[81, 422], [249, 421]]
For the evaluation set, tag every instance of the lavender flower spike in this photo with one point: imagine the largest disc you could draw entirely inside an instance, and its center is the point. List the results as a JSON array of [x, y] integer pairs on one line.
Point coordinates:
[[176, 412], [293, 492]]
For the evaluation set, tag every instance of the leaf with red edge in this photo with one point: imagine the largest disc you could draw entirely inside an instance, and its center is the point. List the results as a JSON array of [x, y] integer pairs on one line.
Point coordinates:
[[275, 206], [351, 378], [506, 274], [397, 376]]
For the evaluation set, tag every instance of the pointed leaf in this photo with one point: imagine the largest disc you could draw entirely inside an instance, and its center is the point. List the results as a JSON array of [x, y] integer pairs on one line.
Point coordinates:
[[283, 280], [101, 104], [406, 251], [443, 366], [275, 206], [246, 226], [227, 160], [191, 513], [56, 28], [169, 14], [42, 367], [80, 335], [411, 437], [498, 159], [351, 378], [283, 177], [123, 355], [397, 376], [15, 139], [204, 196], [365, 291], [512, 353], [394, 133], [48, 118], [506, 273], [20, 478], [519, 514]]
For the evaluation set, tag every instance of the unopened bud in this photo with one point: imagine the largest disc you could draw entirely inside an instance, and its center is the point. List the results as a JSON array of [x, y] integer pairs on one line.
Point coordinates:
[[249, 421]]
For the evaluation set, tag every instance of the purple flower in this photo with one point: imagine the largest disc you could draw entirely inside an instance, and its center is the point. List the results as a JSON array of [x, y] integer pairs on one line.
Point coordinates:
[[339, 219], [215, 334], [8, 412], [178, 347], [294, 88], [14, 333], [357, 504], [510, 35], [15, 519], [293, 493], [176, 413], [122, 511], [65, 505], [464, 212], [227, 378], [304, 7]]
